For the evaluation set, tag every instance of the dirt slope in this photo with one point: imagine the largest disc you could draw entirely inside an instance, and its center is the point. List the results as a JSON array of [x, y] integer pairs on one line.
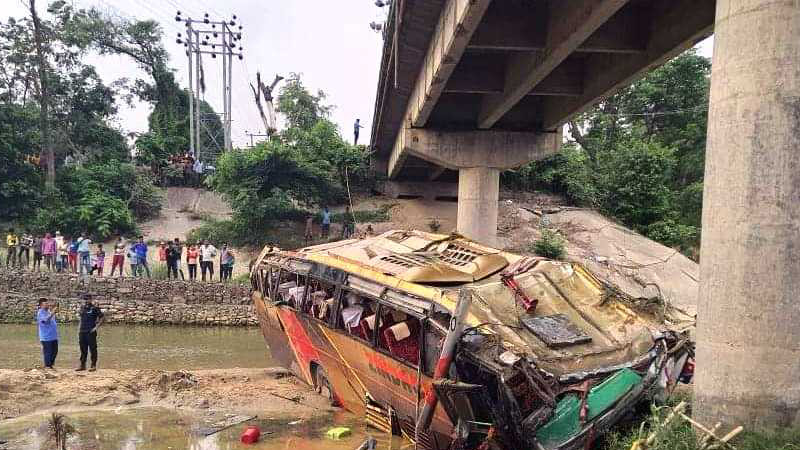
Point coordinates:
[[184, 209]]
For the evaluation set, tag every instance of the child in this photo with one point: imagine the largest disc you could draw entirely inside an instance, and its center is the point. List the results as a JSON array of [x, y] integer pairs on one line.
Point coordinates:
[[99, 261], [191, 261]]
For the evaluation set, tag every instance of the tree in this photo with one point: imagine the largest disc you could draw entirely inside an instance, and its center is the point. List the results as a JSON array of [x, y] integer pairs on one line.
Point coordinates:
[[638, 155]]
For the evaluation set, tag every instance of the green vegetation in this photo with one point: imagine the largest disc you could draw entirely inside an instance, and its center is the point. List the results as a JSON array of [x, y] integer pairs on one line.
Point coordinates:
[[638, 156], [57, 103], [550, 245], [679, 435], [303, 167]]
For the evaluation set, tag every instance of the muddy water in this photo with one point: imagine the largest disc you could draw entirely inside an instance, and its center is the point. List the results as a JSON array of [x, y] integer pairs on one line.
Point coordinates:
[[157, 428], [142, 347]]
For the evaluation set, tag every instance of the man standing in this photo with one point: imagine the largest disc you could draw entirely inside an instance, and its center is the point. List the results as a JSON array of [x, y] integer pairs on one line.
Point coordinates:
[[309, 234], [84, 262], [48, 332], [48, 248], [207, 254], [63, 252], [91, 319], [173, 258], [25, 245], [141, 256], [326, 222], [119, 256], [12, 241], [356, 127]]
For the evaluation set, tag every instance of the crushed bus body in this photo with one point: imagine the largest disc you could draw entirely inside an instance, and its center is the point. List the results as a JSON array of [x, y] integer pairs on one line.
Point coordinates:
[[544, 356]]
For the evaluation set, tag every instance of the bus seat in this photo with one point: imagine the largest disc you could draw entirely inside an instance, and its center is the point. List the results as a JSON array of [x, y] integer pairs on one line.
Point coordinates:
[[367, 326], [403, 340]]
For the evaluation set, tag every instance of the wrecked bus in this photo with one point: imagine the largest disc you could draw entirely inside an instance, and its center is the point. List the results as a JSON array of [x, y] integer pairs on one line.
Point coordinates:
[[545, 356]]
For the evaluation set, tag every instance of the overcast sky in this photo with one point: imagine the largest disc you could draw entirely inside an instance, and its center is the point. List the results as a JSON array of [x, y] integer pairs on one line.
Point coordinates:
[[329, 42]]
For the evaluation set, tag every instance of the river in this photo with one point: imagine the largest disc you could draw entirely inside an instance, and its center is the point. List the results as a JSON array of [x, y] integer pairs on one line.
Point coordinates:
[[123, 346]]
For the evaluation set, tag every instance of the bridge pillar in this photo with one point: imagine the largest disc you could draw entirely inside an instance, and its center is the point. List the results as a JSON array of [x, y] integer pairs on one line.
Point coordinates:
[[748, 325], [478, 194]]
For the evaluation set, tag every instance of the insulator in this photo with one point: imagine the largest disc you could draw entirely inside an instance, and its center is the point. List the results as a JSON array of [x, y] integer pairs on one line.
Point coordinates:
[[232, 23], [240, 27], [177, 18], [213, 55], [213, 25], [240, 49], [232, 45], [239, 36], [187, 52], [213, 47], [234, 17], [241, 57], [216, 34], [206, 14], [179, 35], [178, 41], [179, 13], [206, 20]]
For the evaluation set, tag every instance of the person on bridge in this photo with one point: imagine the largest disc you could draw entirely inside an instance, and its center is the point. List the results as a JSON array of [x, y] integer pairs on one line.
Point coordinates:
[[48, 332], [356, 127], [91, 319]]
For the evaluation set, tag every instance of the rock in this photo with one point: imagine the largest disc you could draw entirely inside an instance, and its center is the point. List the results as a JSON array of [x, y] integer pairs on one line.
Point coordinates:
[[525, 215]]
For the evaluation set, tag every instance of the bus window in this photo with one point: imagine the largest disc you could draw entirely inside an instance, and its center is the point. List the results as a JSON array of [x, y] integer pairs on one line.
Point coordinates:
[[399, 335], [286, 281], [432, 350], [321, 300], [296, 292], [355, 309]]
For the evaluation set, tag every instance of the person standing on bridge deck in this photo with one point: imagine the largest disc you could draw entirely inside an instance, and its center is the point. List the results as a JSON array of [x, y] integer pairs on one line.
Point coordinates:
[[356, 127], [91, 319]]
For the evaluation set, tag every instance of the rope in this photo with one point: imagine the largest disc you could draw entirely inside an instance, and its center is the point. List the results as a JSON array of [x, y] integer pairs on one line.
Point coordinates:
[[350, 198]]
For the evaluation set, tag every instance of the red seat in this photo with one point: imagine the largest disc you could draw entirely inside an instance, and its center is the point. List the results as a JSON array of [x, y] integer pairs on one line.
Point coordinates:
[[402, 340], [366, 325]]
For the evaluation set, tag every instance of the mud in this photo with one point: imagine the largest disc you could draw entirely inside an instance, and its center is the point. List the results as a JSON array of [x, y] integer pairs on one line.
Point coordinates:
[[263, 392]]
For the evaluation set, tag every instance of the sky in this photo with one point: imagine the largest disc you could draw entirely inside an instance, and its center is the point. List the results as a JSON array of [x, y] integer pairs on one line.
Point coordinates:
[[329, 42]]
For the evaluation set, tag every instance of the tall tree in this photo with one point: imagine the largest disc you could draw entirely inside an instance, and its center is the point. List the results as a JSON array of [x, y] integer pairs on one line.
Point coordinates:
[[44, 95]]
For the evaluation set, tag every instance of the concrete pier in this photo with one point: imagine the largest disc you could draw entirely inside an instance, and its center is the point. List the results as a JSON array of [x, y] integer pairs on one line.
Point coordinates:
[[748, 330], [478, 194]]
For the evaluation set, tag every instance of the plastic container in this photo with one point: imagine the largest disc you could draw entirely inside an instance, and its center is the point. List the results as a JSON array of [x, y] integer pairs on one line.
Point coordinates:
[[250, 435]]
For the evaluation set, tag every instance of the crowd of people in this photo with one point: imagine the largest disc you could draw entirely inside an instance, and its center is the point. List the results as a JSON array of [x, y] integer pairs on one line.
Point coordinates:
[[58, 253]]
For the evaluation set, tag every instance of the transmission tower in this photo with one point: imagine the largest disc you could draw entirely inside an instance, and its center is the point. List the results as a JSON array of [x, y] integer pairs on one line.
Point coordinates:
[[209, 37]]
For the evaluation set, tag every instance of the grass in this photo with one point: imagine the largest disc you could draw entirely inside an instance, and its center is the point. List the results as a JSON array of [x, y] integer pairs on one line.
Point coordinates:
[[550, 245], [680, 435]]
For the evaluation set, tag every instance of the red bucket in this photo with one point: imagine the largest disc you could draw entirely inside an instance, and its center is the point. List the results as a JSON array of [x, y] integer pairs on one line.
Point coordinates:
[[250, 435]]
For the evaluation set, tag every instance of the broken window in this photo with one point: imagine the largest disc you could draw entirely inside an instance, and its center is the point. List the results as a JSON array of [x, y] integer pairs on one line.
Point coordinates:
[[320, 302], [399, 334], [355, 310]]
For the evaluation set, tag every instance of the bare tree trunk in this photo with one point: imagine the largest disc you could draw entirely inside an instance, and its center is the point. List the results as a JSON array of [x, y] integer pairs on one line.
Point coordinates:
[[44, 109]]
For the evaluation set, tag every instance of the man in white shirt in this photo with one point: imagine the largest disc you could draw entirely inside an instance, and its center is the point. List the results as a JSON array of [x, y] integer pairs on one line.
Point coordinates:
[[207, 254]]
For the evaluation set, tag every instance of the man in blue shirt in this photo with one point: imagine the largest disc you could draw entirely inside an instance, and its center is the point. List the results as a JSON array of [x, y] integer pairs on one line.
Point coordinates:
[[141, 256], [48, 332], [83, 254], [326, 222], [91, 319]]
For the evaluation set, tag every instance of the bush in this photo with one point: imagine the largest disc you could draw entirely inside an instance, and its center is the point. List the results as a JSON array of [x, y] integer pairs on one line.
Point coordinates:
[[550, 245]]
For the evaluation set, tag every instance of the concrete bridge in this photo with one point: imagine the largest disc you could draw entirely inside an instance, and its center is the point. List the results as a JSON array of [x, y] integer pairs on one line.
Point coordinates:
[[469, 88]]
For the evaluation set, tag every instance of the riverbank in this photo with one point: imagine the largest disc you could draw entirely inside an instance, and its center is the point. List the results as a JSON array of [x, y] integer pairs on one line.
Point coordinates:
[[270, 393], [126, 300]]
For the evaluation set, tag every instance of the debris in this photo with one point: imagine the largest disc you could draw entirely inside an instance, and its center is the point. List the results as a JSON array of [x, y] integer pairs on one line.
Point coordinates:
[[338, 433], [250, 435], [224, 424], [296, 422], [369, 444]]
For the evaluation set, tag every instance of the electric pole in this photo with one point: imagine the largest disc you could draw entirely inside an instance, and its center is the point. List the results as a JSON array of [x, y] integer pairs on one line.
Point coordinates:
[[254, 135], [209, 37]]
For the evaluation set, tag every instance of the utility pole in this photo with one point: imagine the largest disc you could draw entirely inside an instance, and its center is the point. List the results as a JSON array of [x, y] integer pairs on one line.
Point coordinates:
[[254, 135], [210, 37]]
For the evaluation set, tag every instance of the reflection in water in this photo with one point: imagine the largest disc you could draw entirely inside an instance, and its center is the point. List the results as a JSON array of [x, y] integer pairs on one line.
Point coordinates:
[[159, 428], [143, 347]]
